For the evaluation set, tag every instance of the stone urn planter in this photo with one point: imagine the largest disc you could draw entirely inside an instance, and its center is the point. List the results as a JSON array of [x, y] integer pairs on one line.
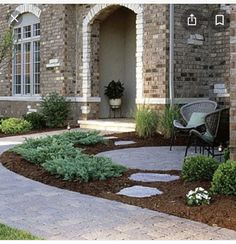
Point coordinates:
[[115, 103]]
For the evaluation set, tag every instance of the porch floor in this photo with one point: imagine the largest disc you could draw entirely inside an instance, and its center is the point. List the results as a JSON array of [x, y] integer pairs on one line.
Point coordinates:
[[113, 125]]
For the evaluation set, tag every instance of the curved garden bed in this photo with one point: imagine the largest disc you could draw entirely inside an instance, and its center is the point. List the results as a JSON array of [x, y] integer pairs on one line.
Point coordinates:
[[221, 212]]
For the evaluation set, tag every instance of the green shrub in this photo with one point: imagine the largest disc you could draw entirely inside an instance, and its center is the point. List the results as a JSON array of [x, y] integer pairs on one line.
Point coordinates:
[[3, 118], [55, 109], [83, 168], [38, 150], [15, 126], [79, 137], [36, 119], [146, 122], [36, 142], [198, 168], [58, 156], [73, 138], [226, 154], [166, 120], [224, 179], [41, 153]]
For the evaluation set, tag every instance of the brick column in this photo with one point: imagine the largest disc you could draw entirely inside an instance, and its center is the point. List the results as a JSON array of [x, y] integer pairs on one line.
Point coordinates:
[[233, 82]]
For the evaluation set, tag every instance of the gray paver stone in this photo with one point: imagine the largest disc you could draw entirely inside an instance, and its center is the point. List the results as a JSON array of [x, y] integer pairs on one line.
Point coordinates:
[[120, 143], [139, 191], [153, 177]]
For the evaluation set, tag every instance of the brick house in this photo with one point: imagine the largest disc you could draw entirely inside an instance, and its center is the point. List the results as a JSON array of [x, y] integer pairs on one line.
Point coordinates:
[[70, 49]]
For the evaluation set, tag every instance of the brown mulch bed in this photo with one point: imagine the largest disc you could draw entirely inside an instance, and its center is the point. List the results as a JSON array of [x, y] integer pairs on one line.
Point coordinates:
[[221, 212], [156, 140]]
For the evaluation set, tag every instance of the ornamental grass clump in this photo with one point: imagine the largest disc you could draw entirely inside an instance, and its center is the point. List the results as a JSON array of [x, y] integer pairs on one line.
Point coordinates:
[[198, 197], [146, 122], [166, 119], [198, 168]]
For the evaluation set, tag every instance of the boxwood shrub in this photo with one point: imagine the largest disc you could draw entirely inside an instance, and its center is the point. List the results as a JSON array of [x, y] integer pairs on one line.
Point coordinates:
[[36, 119], [198, 168], [55, 109], [224, 179], [15, 126]]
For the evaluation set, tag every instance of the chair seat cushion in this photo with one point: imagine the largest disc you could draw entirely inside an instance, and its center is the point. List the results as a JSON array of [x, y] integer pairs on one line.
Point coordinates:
[[208, 137], [196, 120]]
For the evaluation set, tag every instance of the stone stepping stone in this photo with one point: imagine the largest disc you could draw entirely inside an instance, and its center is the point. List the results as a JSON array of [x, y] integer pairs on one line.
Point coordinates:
[[110, 137], [139, 191], [121, 143], [153, 177]]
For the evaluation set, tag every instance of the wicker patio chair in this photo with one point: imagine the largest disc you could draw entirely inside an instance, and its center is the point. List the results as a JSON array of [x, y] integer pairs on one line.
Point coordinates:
[[202, 107], [216, 134]]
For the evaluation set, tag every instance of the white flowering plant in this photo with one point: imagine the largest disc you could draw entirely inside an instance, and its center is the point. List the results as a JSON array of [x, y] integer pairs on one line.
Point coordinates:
[[198, 197]]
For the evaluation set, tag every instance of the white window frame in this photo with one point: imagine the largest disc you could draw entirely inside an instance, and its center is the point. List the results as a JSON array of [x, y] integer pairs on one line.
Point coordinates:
[[22, 42]]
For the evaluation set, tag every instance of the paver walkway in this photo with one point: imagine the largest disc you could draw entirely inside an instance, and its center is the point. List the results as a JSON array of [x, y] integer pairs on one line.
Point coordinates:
[[53, 213], [9, 140]]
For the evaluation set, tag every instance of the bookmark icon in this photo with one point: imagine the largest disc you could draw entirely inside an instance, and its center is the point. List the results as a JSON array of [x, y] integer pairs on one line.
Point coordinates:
[[219, 20]]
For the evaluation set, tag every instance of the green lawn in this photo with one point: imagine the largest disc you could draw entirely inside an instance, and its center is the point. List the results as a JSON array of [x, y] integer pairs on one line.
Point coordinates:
[[7, 233]]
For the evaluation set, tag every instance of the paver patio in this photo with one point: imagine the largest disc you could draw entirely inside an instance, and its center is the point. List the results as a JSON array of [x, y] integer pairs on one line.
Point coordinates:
[[53, 213], [149, 158]]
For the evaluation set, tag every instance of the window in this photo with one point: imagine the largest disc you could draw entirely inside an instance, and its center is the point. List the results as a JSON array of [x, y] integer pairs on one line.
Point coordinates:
[[36, 29], [27, 31], [26, 57]]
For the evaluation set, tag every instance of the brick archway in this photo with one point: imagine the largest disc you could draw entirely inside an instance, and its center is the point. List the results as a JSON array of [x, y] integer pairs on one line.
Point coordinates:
[[93, 14], [25, 8]]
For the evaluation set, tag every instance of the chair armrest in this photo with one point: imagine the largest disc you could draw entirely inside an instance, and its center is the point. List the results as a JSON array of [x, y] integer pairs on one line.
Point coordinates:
[[179, 125], [196, 133]]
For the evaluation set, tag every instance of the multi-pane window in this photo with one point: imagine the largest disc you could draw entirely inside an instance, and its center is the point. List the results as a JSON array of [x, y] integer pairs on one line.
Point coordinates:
[[36, 67], [27, 31], [26, 59], [27, 51], [17, 33], [36, 29], [17, 69]]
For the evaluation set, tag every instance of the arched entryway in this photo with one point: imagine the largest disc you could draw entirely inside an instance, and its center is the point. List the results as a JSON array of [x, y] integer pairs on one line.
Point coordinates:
[[113, 50], [117, 59]]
